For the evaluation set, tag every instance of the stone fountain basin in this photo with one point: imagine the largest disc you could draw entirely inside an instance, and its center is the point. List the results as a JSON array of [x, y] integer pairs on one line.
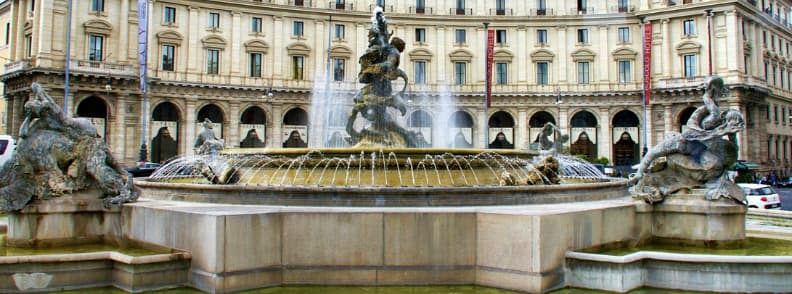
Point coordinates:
[[384, 196]]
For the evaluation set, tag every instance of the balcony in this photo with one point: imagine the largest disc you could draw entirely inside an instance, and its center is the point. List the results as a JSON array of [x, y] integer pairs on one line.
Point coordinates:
[[683, 82], [387, 8], [505, 11], [101, 67], [622, 9], [421, 10], [301, 3], [541, 12], [460, 11], [582, 10], [16, 66], [340, 5]]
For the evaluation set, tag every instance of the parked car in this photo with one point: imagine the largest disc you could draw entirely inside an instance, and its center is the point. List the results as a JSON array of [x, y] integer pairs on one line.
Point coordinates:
[[784, 182], [7, 148], [143, 170], [761, 196]]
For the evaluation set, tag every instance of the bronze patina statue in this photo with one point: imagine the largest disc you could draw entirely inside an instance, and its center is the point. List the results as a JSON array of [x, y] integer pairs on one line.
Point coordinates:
[[698, 157], [59, 155], [379, 66]]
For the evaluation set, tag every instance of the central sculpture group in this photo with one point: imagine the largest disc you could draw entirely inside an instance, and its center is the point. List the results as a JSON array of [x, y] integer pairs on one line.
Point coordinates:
[[379, 66]]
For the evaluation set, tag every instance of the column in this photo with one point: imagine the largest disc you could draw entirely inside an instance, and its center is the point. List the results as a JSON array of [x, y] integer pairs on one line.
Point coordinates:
[[42, 28], [667, 120], [522, 54], [119, 134], [189, 125], [194, 51], [360, 34], [277, 132], [603, 55], [605, 134], [481, 122], [476, 71], [123, 32], [320, 52], [665, 53], [236, 42], [440, 59], [521, 141], [734, 48], [649, 129], [278, 48], [232, 140], [563, 122], [561, 64]]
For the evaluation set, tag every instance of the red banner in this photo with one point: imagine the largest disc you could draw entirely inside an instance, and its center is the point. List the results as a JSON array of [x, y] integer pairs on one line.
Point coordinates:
[[490, 57], [647, 62]]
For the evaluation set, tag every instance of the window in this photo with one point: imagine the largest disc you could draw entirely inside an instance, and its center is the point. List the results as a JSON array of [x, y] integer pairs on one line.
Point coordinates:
[[500, 7], [255, 24], [95, 48], [97, 5], [297, 67], [168, 54], [541, 7], [214, 20], [624, 35], [581, 6], [623, 5], [420, 6], [339, 31], [459, 73], [460, 7], [338, 69], [169, 15], [541, 37], [420, 35], [541, 73], [297, 29], [32, 5], [460, 36], [582, 36], [690, 65], [8, 33], [501, 74], [775, 113], [28, 45], [381, 3], [689, 27], [212, 61], [583, 72], [255, 65], [624, 71], [500, 36], [420, 72]]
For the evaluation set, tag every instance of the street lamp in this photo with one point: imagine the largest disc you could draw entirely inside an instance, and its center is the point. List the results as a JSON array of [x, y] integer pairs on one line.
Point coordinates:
[[486, 85]]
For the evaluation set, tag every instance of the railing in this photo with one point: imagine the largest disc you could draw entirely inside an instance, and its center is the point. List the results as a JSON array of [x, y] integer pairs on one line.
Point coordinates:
[[387, 8], [16, 66], [682, 82], [303, 3], [542, 12], [341, 6], [505, 11], [460, 11], [102, 67], [421, 10], [622, 9], [582, 10]]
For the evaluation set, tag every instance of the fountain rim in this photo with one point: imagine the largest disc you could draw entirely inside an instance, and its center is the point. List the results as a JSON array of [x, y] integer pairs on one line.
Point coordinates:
[[384, 150]]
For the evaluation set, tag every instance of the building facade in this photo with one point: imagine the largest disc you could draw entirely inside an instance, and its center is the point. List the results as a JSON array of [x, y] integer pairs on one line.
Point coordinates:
[[264, 69]]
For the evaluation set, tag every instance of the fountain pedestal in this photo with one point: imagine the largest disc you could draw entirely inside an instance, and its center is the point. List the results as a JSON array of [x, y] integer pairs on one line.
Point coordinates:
[[689, 218], [77, 219]]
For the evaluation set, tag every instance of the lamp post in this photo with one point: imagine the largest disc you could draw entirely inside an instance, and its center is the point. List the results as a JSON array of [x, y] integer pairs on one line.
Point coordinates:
[[68, 59]]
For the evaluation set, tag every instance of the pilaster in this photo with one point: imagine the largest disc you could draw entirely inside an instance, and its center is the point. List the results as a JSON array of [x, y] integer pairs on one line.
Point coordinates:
[[236, 42], [191, 120], [605, 133], [123, 32]]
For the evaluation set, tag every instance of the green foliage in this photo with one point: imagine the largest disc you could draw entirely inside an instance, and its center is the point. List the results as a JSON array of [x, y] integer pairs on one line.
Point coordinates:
[[602, 160], [582, 156], [743, 178]]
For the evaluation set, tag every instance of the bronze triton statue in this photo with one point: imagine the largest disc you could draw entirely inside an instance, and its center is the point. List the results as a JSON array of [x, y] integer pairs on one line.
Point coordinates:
[[698, 157], [59, 155]]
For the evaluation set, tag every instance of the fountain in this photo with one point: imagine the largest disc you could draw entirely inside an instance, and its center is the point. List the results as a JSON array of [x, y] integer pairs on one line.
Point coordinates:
[[385, 214]]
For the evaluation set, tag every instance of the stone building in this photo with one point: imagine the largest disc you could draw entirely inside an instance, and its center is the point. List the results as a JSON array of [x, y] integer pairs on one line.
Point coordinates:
[[259, 64]]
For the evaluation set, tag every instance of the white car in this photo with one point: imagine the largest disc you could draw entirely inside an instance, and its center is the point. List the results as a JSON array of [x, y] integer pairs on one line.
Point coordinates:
[[7, 148], [761, 196]]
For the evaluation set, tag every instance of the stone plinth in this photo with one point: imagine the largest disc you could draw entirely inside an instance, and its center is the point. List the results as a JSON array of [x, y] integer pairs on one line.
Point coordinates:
[[77, 218], [691, 219]]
